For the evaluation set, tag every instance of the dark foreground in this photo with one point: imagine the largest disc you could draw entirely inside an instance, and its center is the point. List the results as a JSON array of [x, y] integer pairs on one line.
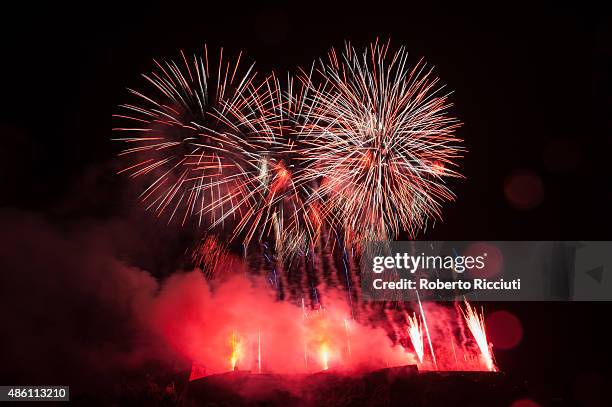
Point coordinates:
[[387, 387]]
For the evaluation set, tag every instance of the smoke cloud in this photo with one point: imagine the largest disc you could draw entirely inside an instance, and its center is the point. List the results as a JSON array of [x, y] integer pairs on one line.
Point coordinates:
[[199, 321], [76, 312], [69, 305]]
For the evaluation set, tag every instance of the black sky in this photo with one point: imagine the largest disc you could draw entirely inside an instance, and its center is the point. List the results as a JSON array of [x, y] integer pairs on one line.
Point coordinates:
[[525, 80], [531, 83]]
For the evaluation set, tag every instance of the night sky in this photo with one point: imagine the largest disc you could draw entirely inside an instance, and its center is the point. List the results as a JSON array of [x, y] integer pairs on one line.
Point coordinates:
[[531, 85]]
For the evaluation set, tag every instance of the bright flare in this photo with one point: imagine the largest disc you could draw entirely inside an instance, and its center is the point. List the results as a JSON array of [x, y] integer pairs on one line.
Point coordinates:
[[475, 322], [235, 351], [324, 357], [416, 335]]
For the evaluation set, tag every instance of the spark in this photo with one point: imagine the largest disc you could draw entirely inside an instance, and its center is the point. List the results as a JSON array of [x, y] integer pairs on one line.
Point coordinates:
[[235, 351], [415, 332], [324, 356], [476, 324], [209, 254]]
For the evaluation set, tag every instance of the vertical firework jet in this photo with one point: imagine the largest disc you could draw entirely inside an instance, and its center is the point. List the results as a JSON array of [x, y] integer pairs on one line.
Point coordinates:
[[324, 357], [259, 350], [476, 325], [424, 318], [235, 351], [415, 332]]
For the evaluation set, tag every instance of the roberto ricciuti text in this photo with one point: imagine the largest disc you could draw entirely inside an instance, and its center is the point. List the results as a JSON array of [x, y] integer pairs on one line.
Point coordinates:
[[437, 284]]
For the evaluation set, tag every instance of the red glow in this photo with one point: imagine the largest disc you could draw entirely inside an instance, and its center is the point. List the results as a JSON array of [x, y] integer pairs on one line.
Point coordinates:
[[197, 372], [240, 325], [494, 259], [524, 190], [524, 403]]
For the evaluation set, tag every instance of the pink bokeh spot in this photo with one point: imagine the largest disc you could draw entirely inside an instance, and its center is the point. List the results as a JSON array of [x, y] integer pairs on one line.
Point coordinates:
[[504, 329], [524, 190], [493, 259], [524, 403]]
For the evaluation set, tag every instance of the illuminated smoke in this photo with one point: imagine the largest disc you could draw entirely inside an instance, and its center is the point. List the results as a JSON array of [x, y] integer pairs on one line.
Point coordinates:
[[239, 324]]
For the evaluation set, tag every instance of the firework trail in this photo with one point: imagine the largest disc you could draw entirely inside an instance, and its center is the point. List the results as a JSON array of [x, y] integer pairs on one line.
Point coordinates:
[[210, 255], [380, 141], [359, 148]]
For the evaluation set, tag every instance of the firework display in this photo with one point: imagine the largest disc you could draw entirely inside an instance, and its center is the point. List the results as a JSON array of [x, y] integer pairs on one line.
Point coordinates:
[[381, 140], [279, 202], [177, 140], [358, 148], [362, 145], [238, 326], [283, 204]]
